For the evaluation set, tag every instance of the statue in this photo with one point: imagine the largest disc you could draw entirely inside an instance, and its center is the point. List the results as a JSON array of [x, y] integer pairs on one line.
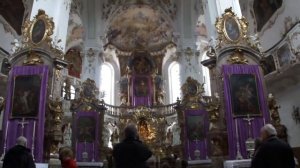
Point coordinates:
[[2, 102], [67, 135], [67, 88], [169, 137], [114, 138]]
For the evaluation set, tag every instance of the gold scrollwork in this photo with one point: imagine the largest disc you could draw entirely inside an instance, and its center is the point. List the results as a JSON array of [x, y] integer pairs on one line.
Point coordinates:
[[38, 30], [237, 57], [192, 93], [230, 28], [33, 59]]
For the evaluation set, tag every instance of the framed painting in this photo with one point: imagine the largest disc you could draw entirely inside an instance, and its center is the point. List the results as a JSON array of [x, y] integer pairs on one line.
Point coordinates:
[[141, 86], [86, 129], [26, 95], [232, 29], [284, 55], [244, 95], [38, 31], [195, 127]]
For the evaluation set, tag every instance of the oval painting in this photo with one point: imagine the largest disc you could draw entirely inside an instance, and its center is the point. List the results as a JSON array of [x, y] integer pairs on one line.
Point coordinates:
[[38, 31], [232, 29]]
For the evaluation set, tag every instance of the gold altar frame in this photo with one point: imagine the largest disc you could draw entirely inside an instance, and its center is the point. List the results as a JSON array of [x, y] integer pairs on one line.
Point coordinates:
[[29, 30]]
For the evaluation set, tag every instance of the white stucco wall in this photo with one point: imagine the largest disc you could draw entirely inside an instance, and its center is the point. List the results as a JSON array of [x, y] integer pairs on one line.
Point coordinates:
[[287, 99]]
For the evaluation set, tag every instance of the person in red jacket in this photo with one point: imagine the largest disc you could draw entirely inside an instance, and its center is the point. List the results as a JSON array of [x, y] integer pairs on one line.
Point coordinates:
[[66, 158]]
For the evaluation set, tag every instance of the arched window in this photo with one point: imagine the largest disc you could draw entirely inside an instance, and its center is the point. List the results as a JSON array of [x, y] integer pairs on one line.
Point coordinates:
[[206, 76], [68, 93], [174, 81], [107, 83]]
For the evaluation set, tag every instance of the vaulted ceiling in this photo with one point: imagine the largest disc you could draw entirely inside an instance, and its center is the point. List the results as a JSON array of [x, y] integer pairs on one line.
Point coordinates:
[[13, 13]]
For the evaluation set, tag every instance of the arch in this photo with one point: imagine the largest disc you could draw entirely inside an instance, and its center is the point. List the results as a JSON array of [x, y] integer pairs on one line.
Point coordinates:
[[174, 81], [107, 82]]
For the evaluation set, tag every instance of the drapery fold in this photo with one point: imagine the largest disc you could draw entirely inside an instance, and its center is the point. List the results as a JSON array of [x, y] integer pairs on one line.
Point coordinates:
[[237, 128], [33, 128]]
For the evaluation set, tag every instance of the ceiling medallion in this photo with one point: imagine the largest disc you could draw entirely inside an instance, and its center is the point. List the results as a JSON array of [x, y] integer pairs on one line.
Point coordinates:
[[230, 28]]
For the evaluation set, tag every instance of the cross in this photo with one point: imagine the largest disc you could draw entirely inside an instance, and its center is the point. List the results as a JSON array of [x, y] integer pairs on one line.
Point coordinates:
[[23, 123], [249, 120]]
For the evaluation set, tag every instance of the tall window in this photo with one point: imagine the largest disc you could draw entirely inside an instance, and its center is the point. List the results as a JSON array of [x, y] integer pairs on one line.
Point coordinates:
[[68, 93], [174, 81], [206, 76], [107, 83]]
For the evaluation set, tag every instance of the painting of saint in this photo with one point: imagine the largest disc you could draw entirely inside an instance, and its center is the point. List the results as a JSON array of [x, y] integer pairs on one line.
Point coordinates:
[[38, 31], [244, 95], [264, 9], [75, 62], [195, 127], [232, 29], [141, 87], [26, 94], [86, 129], [284, 55]]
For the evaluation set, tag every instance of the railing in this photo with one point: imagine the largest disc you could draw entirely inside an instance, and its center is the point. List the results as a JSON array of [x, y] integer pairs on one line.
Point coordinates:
[[157, 110]]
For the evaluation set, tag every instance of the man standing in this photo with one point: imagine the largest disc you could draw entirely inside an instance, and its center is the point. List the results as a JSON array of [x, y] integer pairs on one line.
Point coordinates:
[[19, 156], [273, 153], [131, 153]]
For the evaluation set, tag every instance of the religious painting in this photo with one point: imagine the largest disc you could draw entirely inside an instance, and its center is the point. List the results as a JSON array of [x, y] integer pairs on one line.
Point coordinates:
[[195, 127], [142, 65], [269, 65], [86, 129], [263, 10], [75, 62], [141, 88], [244, 95], [232, 29], [284, 55], [26, 94], [38, 31]]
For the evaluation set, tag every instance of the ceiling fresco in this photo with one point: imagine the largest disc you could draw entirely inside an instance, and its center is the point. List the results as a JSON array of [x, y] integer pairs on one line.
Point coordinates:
[[139, 26]]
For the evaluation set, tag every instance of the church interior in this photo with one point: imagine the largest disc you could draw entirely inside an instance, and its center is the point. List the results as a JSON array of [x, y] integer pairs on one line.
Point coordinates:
[[199, 78]]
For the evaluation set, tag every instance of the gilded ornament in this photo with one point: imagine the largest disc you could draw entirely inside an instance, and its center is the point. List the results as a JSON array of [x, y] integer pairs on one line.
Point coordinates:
[[38, 30], [33, 59], [237, 58], [231, 29]]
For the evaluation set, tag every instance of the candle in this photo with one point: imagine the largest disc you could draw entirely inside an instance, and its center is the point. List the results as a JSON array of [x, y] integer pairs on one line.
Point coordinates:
[[264, 121]]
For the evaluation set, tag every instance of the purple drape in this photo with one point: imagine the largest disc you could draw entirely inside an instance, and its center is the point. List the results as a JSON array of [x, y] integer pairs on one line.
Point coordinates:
[[237, 128], [192, 145], [142, 100], [92, 148], [12, 126]]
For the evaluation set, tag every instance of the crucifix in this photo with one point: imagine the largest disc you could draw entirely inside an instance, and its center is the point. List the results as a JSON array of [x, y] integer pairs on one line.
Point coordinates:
[[249, 120], [23, 123]]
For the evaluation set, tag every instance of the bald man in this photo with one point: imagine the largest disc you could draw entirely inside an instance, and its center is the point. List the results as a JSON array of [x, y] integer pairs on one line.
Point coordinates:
[[273, 153], [19, 156]]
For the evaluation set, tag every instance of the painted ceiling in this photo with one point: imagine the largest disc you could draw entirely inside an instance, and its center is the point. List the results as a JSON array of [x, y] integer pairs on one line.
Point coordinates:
[[139, 26]]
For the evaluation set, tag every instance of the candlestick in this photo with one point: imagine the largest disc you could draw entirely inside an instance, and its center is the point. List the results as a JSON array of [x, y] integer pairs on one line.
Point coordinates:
[[238, 155], [5, 141], [33, 140], [93, 160], [188, 145]]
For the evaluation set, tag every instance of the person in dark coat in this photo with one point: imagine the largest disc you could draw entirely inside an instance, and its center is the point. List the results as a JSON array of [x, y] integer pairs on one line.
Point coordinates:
[[19, 156], [273, 152], [131, 152]]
